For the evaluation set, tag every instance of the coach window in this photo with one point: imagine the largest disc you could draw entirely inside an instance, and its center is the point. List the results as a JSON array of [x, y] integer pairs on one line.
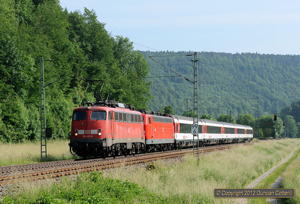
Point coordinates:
[[149, 121], [98, 115]]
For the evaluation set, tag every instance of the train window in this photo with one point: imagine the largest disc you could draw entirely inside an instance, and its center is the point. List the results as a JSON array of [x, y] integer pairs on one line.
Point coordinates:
[[128, 117], [185, 128], [124, 117], [199, 128], [229, 130], [79, 116], [240, 131], [132, 118], [111, 115], [120, 117], [98, 115], [116, 116], [249, 131], [213, 129], [149, 120]]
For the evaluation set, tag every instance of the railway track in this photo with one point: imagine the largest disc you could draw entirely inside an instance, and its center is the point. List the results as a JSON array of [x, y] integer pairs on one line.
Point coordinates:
[[33, 172]]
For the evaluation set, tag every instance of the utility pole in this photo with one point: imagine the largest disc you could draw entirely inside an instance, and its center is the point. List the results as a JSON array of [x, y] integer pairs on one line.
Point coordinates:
[[43, 112], [194, 128], [195, 105]]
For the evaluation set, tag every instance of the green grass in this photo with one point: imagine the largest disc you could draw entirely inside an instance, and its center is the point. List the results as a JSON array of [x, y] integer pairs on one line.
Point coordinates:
[[266, 183], [86, 188], [234, 168], [30, 152], [291, 179]]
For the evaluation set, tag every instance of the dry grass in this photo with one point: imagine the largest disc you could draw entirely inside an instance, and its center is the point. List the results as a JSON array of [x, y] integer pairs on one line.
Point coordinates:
[[193, 183], [30, 152]]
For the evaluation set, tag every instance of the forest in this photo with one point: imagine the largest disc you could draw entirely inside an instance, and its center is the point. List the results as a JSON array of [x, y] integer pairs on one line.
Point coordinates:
[[79, 54], [231, 87]]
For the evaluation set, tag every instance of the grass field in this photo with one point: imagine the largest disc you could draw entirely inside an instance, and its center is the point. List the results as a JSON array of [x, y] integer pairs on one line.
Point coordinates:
[[193, 183], [291, 179], [182, 182], [30, 152]]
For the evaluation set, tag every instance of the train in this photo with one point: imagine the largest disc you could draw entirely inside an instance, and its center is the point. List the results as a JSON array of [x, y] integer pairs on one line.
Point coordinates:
[[110, 128]]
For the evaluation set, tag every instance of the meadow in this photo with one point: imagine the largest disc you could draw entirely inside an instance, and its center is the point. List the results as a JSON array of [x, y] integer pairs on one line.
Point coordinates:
[[30, 152], [291, 179], [188, 181]]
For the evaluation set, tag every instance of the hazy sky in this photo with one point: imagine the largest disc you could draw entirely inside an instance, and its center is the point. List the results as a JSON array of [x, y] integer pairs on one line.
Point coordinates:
[[262, 26]]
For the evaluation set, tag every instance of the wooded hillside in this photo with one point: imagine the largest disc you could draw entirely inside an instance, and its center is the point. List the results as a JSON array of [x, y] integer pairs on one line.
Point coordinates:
[[227, 83]]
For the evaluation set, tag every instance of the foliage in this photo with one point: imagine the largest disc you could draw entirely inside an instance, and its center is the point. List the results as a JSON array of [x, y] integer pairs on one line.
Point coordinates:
[[291, 119], [245, 119], [82, 54], [207, 117], [88, 188], [151, 166], [290, 126], [226, 118], [168, 110], [226, 82], [190, 114]]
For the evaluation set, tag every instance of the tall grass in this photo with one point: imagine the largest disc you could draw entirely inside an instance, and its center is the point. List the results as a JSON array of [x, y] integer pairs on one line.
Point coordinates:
[[291, 179], [30, 152], [193, 183]]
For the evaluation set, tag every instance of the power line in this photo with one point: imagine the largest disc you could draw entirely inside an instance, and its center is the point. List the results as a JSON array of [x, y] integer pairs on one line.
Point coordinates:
[[162, 76], [172, 70]]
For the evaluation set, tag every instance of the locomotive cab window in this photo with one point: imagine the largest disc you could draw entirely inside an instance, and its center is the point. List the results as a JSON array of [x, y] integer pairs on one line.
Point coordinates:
[[79, 116], [98, 115]]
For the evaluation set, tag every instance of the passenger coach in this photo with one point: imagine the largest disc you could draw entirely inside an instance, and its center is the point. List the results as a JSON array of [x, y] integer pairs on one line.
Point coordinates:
[[210, 132]]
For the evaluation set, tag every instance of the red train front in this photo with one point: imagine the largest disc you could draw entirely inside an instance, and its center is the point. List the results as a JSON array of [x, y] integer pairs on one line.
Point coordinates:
[[106, 128]]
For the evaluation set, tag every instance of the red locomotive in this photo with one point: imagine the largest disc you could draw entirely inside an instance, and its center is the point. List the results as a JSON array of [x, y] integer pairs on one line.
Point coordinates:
[[106, 128]]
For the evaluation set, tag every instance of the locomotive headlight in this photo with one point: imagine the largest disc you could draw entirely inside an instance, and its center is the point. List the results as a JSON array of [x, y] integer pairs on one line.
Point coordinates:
[[99, 133], [76, 133]]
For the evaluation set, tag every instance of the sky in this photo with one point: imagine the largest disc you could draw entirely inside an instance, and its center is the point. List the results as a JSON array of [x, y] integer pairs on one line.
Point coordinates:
[[231, 26]]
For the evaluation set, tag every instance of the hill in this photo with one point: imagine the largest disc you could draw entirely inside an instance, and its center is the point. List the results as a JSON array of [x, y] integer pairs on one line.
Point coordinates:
[[227, 83]]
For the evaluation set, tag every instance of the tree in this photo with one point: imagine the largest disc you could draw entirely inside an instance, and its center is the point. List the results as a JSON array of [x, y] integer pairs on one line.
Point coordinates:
[[291, 127], [226, 118], [168, 110], [207, 117], [190, 114], [245, 119]]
